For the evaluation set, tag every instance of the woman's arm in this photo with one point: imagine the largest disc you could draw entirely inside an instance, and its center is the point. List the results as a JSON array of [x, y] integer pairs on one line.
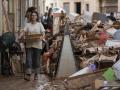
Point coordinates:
[[22, 34]]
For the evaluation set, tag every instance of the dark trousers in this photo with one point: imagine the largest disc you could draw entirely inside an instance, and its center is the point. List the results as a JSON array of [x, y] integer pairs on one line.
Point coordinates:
[[33, 60]]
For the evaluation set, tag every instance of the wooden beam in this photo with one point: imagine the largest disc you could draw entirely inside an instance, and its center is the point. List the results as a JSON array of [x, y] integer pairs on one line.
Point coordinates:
[[6, 14]]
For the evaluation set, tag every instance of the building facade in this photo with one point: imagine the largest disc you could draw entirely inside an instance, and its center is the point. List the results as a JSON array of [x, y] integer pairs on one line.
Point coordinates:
[[71, 6], [101, 6], [90, 6], [52, 3], [13, 16]]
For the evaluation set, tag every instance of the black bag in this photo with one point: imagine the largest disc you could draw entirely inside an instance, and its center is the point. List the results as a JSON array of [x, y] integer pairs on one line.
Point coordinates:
[[15, 49], [6, 40]]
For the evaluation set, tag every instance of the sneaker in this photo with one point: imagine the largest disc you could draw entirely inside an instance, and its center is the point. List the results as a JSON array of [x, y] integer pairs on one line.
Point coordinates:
[[27, 77], [36, 77]]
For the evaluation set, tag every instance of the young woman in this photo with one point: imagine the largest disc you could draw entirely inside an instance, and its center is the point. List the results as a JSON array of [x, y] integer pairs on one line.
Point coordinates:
[[28, 13], [33, 49]]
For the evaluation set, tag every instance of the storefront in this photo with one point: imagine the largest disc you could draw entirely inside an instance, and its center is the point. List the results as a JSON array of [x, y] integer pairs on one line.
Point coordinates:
[[108, 6]]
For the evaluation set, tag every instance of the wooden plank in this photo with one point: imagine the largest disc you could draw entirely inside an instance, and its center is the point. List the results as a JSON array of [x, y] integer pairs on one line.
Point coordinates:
[[84, 81], [6, 14]]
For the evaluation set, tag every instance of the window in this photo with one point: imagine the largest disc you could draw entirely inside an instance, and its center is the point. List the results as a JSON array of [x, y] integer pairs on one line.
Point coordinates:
[[87, 7]]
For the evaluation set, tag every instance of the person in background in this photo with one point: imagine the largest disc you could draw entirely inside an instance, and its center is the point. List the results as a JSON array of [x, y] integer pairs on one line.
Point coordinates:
[[111, 17], [62, 16], [33, 49], [44, 20], [62, 23], [50, 21]]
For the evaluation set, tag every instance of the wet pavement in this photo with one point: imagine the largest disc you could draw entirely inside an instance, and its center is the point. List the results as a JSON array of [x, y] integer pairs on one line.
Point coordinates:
[[66, 68], [18, 83], [67, 62]]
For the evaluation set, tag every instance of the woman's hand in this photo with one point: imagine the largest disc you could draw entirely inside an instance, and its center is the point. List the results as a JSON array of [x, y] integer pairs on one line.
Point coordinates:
[[21, 35], [41, 37]]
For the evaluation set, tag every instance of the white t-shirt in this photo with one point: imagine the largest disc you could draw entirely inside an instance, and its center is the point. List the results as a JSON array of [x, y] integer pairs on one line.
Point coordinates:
[[36, 28]]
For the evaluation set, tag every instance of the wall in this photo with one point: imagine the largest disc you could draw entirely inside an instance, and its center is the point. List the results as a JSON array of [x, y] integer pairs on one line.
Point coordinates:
[[71, 4], [118, 5], [59, 3], [41, 6], [54, 2], [0, 17], [93, 7]]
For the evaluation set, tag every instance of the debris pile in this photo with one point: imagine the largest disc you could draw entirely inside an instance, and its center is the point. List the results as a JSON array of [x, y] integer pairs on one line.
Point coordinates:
[[96, 47]]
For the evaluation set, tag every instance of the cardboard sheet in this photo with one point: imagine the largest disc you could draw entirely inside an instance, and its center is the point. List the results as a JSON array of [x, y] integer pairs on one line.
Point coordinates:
[[116, 68], [81, 72]]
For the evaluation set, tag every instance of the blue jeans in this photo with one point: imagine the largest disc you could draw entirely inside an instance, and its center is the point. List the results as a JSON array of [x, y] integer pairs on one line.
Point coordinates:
[[32, 60]]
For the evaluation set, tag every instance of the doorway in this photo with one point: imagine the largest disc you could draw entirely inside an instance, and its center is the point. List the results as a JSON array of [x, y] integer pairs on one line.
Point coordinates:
[[78, 7]]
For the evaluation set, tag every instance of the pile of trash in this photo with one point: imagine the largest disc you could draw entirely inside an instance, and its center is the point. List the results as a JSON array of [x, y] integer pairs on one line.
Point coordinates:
[[96, 47]]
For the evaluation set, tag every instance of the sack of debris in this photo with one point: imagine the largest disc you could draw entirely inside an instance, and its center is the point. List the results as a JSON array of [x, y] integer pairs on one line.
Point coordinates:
[[116, 68]]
